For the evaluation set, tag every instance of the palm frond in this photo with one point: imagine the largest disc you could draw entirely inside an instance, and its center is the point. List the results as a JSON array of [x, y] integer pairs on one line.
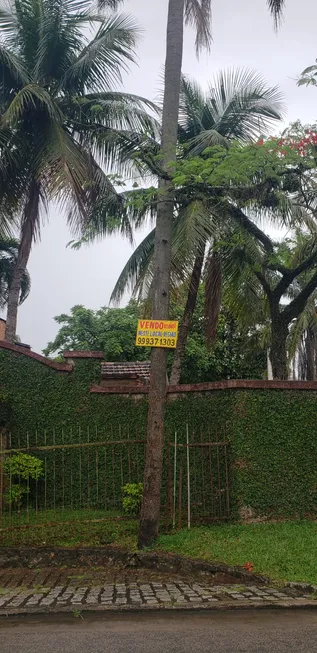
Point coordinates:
[[239, 106], [100, 63], [8, 23], [134, 274], [61, 166], [198, 15], [240, 256], [276, 8], [105, 207], [75, 6], [192, 226], [61, 38], [13, 75], [117, 127], [30, 97], [113, 5]]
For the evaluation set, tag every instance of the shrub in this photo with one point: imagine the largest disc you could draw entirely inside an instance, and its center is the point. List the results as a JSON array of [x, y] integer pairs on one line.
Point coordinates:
[[132, 498], [21, 468]]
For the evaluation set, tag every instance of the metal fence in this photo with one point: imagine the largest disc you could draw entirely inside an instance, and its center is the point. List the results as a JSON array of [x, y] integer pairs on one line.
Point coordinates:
[[198, 480], [77, 475]]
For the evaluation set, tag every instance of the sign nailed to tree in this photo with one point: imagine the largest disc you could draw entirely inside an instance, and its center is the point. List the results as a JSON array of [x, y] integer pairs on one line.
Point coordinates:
[[157, 333]]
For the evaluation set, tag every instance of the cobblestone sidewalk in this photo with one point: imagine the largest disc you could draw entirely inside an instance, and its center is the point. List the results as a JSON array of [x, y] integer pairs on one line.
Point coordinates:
[[76, 590]]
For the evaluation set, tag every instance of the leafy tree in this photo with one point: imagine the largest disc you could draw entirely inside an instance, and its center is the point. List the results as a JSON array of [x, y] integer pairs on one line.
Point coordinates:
[[285, 183], [61, 120], [287, 277], [110, 330]]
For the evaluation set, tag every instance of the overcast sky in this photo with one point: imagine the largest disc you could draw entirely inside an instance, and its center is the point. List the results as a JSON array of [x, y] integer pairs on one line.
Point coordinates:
[[243, 36]]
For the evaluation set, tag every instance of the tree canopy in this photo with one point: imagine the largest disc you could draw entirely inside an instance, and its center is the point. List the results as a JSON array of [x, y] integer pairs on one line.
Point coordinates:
[[110, 330], [237, 353]]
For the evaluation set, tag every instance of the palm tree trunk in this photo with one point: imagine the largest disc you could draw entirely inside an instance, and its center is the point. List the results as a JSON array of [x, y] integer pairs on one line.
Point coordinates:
[[188, 313], [278, 353], [150, 511], [29, 220]]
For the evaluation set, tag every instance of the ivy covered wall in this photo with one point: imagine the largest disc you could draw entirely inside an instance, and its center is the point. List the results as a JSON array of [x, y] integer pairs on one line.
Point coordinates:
[[272, 432]]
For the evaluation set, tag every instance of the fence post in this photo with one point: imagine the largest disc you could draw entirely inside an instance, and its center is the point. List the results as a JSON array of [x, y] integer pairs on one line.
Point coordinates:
[[188, 477], [3, 446], [174, 486]]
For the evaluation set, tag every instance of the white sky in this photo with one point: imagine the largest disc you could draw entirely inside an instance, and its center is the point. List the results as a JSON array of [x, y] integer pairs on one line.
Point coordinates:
[[243, 36]]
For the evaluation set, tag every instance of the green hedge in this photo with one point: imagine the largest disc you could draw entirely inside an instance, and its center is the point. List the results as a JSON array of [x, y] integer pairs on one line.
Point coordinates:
[[272, 433]]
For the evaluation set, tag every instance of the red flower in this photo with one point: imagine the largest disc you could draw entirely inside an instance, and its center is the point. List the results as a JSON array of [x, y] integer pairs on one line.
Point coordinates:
[[248, 566]]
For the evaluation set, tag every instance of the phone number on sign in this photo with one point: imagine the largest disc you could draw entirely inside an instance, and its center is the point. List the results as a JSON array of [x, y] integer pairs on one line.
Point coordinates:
[[151, 341]]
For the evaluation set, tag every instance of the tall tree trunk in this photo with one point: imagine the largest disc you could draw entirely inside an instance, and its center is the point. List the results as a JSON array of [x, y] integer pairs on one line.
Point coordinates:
[[150, 511], [188, 313], [310, 355], [278, 353], [29, 221]]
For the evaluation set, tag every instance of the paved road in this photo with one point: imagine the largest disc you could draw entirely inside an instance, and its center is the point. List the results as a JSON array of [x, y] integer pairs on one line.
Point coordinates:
[[231, 632]]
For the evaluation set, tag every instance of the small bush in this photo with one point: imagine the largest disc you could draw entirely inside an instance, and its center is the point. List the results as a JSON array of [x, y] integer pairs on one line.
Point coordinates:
[[132, 498], [21, 469]]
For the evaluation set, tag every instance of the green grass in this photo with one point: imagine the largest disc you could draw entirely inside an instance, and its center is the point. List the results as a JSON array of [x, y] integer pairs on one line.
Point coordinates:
[[68, 528], [283, 551], [59, 515]]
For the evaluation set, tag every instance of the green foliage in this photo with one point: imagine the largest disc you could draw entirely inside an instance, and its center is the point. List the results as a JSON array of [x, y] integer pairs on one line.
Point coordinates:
[[271, 432], [24, 469], [110, 330], [14, 494], [4, 408], [238, 352], [132, 498], [220, 167], [309, 76]]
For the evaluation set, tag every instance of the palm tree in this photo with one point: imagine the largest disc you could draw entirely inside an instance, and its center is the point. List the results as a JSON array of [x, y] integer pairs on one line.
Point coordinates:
[[197, 12], [61, 122], [239, 106], [9, 249]]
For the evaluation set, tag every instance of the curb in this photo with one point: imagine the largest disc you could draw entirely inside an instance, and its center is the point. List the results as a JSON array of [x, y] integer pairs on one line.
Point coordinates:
[[161, 561], [130, 609]]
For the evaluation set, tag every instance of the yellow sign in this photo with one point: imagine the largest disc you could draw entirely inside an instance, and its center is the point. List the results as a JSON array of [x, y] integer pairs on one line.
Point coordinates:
[[157, 333]]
